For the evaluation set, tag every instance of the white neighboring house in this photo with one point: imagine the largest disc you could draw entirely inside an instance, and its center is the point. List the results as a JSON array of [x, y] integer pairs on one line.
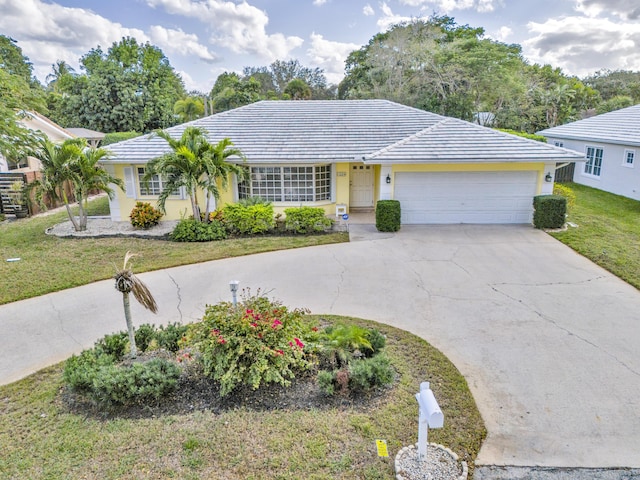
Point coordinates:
[[611, 144]]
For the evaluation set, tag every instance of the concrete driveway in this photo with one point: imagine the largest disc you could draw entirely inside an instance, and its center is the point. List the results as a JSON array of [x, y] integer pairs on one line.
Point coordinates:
[[547, 341]]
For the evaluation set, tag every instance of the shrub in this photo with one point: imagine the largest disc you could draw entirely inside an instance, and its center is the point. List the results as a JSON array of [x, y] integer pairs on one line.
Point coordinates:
[[306, 220], [251, 219], [566, 192], [326, 381], [368, 373], [377, 341], [188, 230], [80, 371], [549, 211], [168, 337], [388, 215], [114, 345], [144, 334], [341, 342], [249, 201], [2, 217], [259, 341], [144, 215], [136, 383]]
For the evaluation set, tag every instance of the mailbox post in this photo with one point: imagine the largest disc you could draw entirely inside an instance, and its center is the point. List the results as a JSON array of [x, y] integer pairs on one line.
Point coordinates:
[[430, 415]]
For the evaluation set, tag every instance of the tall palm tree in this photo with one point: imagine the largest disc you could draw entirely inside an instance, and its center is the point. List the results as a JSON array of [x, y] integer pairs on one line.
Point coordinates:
[[88, 176], [73, 164], [193, 164], [55, 172], [126, 283], [218, 170]]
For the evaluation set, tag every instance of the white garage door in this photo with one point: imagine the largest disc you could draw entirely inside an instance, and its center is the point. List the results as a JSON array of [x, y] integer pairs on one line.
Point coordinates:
[[465, 197]]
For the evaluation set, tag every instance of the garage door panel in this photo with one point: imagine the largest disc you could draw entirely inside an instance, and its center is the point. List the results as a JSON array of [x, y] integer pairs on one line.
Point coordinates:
[[465, 197]]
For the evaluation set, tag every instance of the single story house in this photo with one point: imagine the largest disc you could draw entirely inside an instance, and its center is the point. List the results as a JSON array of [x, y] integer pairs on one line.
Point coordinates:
[[346, 155], [611, 144]]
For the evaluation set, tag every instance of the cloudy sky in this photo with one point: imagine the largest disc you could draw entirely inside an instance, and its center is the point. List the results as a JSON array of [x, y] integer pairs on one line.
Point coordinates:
[[203, 38]]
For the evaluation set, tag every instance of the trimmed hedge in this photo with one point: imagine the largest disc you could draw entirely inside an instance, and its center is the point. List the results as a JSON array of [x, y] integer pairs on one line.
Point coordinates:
[[250, 219], [549, 211], [188, 230], [388, 215], [306, 220]]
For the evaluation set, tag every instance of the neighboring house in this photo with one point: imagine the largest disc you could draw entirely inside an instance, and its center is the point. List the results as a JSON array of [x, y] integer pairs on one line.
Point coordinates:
[[611, 145], [54, 132], [36, 122], [93, 138], [346, 155]]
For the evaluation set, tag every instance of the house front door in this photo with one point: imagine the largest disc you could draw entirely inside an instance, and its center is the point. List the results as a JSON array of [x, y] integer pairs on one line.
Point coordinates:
[[361, 186]]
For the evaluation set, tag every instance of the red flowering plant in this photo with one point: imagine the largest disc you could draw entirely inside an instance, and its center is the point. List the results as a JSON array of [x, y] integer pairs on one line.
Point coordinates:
[[258, 341]]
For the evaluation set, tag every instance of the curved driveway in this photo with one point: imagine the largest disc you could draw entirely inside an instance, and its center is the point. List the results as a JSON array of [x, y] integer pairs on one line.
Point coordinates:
[[547, 341]]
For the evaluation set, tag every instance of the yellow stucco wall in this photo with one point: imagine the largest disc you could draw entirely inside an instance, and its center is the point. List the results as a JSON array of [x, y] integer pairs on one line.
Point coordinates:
[[177, 208]]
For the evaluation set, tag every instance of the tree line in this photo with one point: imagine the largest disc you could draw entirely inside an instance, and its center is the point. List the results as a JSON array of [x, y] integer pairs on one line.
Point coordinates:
[[432, 64]]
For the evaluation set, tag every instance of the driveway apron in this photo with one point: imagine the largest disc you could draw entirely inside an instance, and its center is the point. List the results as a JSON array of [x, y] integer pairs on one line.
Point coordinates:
[[547, 341]]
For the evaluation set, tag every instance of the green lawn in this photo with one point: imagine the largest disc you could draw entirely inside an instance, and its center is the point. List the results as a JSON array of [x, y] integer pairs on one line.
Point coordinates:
[[49, 263], [41, 439], [608, 231]]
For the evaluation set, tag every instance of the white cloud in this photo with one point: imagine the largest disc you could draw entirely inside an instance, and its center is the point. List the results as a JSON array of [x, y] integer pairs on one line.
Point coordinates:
[[583, 45], [330, 56], [502, 34], [447, 6], [389, 19], [625, 9], [240, 27], [317, 3], [177, 41], [368, 10], [48, 32]]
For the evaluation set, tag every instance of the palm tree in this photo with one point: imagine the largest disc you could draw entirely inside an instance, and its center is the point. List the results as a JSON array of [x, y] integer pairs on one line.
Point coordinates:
[[88, 176], [218, 170], [72, 164], [127, 282], [193, 164], [55, 172], [189, 108]]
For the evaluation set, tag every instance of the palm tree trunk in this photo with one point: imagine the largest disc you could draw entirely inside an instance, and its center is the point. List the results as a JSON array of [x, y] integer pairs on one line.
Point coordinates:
[[127, 316], [65, 199]]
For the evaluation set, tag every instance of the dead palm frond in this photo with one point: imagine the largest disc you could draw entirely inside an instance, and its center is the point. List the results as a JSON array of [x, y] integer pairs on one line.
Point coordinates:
[[127, 282]]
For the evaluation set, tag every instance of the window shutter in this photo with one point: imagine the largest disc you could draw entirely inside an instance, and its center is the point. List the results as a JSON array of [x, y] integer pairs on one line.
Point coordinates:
[[129, 182]]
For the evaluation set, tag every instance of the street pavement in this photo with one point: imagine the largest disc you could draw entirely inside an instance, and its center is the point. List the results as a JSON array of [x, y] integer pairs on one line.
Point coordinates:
[[547, 341]]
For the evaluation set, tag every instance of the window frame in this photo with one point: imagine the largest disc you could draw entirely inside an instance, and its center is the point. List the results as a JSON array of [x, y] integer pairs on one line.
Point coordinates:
[[144, 192], [625, 158], [289, 184], [593, 162]]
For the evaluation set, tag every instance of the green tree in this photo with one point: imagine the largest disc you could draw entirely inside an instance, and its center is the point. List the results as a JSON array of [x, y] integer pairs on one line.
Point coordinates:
[[19, 93], [230, 91], [130, 87], [189, 108], [193, 164], [297, 89]]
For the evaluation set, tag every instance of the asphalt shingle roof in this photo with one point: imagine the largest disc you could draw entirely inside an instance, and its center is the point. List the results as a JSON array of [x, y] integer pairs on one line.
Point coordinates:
[[377, 131], [619, 127]]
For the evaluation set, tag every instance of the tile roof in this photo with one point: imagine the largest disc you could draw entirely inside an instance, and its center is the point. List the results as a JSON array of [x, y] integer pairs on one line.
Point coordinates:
[[377, 131], [618, 127]]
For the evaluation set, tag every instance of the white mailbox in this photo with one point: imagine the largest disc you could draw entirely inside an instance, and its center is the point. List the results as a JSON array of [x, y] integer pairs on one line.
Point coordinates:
[[430, 416]]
